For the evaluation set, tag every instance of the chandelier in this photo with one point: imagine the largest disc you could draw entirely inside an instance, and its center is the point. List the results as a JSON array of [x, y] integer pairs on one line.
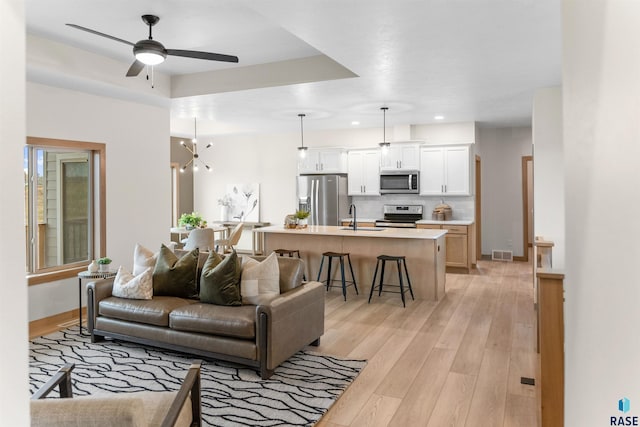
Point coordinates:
[[195, 157]]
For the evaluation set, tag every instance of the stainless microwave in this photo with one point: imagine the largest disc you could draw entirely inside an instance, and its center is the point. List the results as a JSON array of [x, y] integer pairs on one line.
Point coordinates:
[[400, 182]]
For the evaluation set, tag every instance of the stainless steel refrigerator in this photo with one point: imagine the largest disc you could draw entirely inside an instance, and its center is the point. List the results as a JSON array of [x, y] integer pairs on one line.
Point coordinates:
[[325, 196]]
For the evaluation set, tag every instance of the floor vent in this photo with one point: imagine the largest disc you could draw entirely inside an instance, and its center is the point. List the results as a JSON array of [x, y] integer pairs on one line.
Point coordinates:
[[499, 255]]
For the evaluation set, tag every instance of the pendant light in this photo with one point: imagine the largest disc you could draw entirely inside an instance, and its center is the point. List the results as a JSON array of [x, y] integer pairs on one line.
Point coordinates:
[[302, 150], [384, 145], [195, 158]]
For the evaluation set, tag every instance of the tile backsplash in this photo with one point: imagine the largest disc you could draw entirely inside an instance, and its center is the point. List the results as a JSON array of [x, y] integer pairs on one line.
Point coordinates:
[[371, 206]]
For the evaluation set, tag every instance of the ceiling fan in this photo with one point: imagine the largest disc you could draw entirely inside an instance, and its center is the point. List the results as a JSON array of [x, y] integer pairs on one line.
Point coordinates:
[[151, 52]]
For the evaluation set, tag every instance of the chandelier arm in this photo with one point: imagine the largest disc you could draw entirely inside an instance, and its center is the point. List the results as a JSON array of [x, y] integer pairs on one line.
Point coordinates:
[[188, 163]]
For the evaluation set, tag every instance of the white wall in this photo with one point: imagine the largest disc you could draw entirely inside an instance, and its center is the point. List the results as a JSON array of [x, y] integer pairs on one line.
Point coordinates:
[[501, 151], [548, 169], [138, 174], [14, 392], [445, 133], [601, 136]]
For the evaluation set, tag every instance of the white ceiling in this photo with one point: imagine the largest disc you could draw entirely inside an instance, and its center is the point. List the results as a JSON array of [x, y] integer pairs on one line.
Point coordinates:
[[468, 60]]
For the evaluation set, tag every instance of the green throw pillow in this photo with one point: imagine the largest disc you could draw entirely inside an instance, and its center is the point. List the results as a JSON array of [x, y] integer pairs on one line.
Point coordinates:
[[220, 280], [175, 276]]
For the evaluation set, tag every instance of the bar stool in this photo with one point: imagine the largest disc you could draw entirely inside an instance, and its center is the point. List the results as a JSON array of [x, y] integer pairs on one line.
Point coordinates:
[[400, 260], [291, 253], [340, 256]]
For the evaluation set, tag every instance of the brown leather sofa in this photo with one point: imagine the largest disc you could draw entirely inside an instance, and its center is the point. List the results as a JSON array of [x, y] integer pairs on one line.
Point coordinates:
[[262, 336]]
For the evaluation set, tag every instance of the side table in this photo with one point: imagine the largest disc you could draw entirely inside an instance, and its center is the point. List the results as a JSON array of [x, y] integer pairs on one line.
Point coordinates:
[[89, 275]]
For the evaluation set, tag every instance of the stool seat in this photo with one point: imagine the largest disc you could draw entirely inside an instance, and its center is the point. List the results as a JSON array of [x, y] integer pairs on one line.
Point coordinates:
[[340, 255], [400, 261], [289, 252], [335, 254], [391, 257]]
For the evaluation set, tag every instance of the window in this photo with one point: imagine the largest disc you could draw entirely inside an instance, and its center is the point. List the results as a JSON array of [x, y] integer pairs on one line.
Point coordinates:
[[64, 207]]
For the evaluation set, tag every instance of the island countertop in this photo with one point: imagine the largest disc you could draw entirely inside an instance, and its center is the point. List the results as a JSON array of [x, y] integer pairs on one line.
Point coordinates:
[[423, 249], [332, 230]]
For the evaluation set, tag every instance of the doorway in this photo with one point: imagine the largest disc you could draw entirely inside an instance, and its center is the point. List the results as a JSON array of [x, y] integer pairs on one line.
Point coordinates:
[[478, 208], [527, 206]]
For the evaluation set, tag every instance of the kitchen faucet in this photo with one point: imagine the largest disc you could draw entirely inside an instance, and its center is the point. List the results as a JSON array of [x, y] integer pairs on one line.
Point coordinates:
[[353, 216]]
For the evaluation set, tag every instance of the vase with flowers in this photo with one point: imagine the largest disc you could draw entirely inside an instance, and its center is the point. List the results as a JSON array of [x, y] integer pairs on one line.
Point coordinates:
[[225, 204]]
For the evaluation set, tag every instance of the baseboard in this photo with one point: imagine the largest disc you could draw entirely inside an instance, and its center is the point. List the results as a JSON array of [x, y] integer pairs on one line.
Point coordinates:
[[54, 323]]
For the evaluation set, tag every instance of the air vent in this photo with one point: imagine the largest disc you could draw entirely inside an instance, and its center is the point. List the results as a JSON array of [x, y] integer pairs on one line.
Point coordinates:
[[500, 255]]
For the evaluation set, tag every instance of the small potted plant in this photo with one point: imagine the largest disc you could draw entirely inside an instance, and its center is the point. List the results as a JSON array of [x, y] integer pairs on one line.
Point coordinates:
[[301, 217], [190, 221], [104, 264]]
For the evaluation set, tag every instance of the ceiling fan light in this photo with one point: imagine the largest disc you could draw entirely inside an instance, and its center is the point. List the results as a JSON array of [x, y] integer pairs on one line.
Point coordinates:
[[150, 58]]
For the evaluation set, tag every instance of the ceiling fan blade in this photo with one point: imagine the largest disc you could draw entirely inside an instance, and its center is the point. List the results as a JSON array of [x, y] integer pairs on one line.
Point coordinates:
[[97, 33], [202, 55], [135, 68]]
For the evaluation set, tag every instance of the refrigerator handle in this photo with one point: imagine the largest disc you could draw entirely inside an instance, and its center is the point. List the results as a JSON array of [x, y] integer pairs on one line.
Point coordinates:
[[316, 200], [312, 204]]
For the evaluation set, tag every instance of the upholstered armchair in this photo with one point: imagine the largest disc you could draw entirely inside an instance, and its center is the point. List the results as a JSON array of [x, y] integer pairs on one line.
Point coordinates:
[[180, 408]]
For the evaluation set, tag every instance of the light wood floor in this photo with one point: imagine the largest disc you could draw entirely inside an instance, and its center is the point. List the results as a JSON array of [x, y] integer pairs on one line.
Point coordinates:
[[454, 363]]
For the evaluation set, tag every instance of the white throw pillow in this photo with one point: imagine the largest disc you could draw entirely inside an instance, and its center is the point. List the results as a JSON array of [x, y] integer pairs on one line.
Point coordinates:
[[260, 281], [143, 258], [127, 285]]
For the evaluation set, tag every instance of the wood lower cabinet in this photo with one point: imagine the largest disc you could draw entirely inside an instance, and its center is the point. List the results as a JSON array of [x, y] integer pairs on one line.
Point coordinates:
[[459, 240]]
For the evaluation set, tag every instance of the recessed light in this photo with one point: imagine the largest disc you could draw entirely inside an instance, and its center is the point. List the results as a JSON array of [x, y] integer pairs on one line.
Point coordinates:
[[438, 117], [355, 123]]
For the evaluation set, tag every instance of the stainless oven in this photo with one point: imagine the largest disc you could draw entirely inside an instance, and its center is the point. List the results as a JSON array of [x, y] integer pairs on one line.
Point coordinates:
[[405, 182], [400, 216]]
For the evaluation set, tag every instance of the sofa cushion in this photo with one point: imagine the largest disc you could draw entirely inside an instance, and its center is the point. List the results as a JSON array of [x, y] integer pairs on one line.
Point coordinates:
[[260, 280], [220, 280], [291, 273], [175, 276], [143, 258], [126, 285], [238, 322], [152, 312]]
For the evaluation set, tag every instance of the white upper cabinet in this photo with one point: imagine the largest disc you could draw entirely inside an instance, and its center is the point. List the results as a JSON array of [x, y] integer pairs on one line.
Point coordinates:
[[444, 171], [401, 157], [323, 161], [364, 173]]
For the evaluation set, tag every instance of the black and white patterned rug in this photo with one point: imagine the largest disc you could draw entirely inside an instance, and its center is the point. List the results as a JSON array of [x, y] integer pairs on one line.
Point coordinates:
[[301, 390]]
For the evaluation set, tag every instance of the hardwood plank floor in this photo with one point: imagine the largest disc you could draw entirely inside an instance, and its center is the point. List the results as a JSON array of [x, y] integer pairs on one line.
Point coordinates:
[[453, 363], [457, 362]]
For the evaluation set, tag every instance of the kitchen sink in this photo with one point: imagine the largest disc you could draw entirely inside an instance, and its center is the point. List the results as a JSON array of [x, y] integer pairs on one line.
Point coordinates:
[[363, 229]]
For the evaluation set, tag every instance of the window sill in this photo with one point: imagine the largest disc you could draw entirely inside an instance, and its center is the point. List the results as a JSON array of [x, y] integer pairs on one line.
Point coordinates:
[[52, 276]]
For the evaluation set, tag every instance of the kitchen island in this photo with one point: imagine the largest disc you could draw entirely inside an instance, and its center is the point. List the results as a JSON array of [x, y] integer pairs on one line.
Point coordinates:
[[424, 250]]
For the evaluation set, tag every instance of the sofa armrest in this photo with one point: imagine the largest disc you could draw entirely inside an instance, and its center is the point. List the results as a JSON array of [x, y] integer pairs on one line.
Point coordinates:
[[96, 292], [293, 320]]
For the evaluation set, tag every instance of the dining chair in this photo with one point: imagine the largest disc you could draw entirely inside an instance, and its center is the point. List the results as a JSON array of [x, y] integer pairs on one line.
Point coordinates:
[[201, 238], [233, 239]]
